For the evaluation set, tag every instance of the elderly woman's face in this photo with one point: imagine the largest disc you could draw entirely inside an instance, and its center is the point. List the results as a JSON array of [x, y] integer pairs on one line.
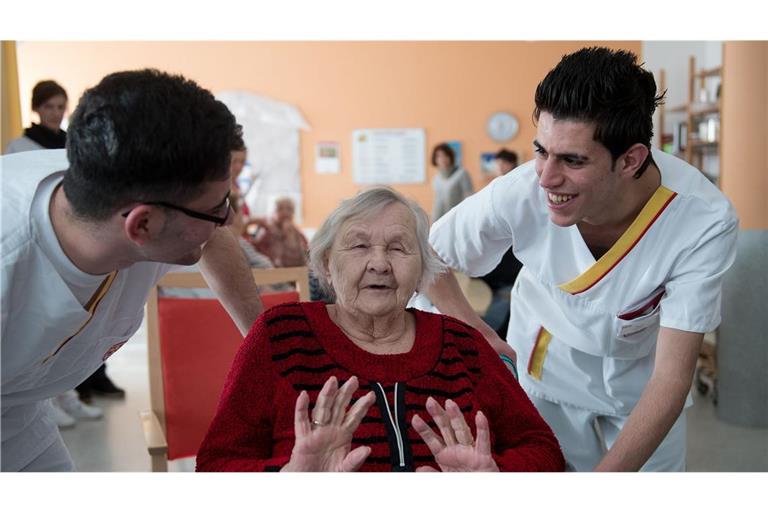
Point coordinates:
[[374, 264], [284, 211]]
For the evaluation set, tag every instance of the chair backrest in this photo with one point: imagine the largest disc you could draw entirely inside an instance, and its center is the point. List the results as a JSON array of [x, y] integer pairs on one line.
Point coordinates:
[[192, 343]]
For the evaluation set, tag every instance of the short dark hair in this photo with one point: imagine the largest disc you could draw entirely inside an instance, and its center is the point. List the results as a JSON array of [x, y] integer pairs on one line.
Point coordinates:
[[45, 90], [445, 148], [141, 136], [605, 87], [507, 156]]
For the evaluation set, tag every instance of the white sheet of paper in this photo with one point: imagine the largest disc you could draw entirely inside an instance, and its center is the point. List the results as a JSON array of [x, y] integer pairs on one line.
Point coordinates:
[[327, 159], [389, 155]]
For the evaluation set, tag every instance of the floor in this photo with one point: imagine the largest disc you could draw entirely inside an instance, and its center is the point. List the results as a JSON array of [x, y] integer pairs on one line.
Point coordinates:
[[116, 443]]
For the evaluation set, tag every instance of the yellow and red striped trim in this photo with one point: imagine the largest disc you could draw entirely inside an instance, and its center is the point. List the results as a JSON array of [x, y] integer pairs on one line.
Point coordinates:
[[645, 219], [536, 361], [90, 306]]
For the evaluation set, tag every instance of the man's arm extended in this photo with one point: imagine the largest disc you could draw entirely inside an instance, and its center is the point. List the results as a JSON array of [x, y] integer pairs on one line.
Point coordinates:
[[445, 293], [227, 273], [660, 404]]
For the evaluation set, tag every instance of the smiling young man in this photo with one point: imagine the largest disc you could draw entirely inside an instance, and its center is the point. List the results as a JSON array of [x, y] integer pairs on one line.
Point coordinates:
[[623, 251], [87, 232]]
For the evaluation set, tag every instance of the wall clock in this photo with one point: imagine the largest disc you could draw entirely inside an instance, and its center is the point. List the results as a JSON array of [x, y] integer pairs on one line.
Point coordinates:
[[502, 126]]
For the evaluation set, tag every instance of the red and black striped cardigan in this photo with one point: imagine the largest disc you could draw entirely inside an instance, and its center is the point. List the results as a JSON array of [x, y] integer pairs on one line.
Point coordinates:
[[296, 347]]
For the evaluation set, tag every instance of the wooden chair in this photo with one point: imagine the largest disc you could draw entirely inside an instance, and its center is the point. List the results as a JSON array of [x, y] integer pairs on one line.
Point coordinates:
[[477, 292], [191, 345]]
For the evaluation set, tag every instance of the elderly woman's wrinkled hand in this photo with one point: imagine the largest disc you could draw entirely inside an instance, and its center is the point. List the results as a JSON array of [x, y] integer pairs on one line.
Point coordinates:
[[455, 449], [323, 443]]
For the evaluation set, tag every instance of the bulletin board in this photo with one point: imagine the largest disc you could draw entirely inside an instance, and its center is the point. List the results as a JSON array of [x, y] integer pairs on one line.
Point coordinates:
[[388, 156]]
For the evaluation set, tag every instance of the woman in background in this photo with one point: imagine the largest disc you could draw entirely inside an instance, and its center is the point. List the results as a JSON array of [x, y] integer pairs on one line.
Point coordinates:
[[49, 102], [451, 184]]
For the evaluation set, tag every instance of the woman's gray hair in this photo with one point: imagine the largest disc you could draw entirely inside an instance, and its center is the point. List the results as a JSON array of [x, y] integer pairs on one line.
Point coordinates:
[[365, 204]]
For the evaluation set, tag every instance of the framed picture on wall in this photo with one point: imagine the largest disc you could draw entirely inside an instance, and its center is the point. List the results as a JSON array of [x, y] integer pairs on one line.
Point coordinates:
[[456, 147], [327, 159], [488, 164]]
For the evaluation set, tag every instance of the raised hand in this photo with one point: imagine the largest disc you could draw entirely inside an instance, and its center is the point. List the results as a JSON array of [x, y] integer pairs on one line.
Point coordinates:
[[454, 449], [324, 443]]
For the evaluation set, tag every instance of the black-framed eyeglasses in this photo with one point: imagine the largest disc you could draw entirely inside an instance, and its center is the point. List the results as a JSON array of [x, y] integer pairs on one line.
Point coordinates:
[[219, 221]]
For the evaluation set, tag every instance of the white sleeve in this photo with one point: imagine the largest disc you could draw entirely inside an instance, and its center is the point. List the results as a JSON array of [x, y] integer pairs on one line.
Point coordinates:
[[473, 236], [5, 282], [693, 293]]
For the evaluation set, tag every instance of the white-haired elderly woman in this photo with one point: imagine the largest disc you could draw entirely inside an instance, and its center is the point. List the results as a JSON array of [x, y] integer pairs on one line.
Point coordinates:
[[366, 384]]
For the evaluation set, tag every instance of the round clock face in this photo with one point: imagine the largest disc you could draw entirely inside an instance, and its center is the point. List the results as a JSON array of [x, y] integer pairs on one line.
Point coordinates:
[[502, 126]]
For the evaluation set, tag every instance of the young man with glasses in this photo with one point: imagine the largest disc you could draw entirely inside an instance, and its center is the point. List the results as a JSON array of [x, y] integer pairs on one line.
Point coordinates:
[[87, 232]]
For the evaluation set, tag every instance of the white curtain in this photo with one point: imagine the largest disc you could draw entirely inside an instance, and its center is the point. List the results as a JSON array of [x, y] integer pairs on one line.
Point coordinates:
[[271, 133]]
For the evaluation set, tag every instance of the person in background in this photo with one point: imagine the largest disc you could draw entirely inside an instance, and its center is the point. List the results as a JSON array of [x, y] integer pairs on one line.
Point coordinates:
[[506, 160], [262, 239], [451, 185], [279, 238], [502, 278], [99, 384], [624, 249], [239, 157], [285, 403], [241, 213], [88, 232], [49, 102], [240, 219]]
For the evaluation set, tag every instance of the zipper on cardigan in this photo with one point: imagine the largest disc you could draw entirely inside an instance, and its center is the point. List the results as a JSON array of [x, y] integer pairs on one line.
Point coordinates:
[[395, 424]]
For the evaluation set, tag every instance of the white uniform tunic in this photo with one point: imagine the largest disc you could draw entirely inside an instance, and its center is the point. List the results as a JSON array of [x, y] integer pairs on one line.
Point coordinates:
[[584, 330], [58, 323], [21, 144]]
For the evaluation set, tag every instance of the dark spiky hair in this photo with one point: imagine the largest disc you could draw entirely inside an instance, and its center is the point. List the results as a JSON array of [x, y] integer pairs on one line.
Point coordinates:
[[605, 87], [145, 135]]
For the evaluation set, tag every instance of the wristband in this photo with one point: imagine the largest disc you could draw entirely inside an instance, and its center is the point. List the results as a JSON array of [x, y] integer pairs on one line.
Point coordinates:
[[510, 364]]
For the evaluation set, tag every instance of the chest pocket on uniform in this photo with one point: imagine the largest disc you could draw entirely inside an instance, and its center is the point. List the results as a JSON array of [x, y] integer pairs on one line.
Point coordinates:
[[637, 328]]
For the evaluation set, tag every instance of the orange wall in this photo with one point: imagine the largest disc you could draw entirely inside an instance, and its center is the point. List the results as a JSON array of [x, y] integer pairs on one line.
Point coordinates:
[[448, 88], [745, 130]]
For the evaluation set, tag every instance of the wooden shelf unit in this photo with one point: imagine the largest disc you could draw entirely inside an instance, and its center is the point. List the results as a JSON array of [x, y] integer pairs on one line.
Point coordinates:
[[694, 147]]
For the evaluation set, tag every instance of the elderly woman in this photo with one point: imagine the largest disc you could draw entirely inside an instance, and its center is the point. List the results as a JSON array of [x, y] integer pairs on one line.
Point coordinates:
[[279, 238], [366, 384]]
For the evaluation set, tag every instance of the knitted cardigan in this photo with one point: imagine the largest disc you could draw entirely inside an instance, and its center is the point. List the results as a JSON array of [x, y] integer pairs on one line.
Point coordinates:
[[294, 347]]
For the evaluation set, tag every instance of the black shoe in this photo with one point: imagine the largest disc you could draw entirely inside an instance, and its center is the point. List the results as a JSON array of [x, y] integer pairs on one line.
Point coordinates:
[[105, 387], [85, 394]]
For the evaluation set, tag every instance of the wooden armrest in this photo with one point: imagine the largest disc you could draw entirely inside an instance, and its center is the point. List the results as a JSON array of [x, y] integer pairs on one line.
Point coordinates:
[[153, 434]]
